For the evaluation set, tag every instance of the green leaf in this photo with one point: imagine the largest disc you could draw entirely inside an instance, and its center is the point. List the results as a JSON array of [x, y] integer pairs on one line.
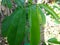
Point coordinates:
[[42, 17], [3, 2], [34, 25], [50, 10], [6, 22], [21, 29], [30, 1], [49, 44], [14, 27], [5, 25], [27, 44], [53, 40], [8, 3], [19, 2], [56, 7], [16, 30], [57, 22]]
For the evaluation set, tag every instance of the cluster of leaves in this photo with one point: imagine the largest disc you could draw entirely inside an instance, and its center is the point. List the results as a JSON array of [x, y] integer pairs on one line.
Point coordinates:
[[14, 26]]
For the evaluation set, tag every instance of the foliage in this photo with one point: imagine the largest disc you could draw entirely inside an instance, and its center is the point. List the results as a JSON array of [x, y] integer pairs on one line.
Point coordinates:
[[14, 26], [53, 40]]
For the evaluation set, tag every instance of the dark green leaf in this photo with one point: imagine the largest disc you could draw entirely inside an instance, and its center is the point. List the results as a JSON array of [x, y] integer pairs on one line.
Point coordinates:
[[16, 30], [19, 2], [14, 27], [6, 22]]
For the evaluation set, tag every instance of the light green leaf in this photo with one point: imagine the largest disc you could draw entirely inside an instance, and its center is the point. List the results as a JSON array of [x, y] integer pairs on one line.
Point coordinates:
[[50, 10], [34, 25], [53, 40], [42, 17]]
